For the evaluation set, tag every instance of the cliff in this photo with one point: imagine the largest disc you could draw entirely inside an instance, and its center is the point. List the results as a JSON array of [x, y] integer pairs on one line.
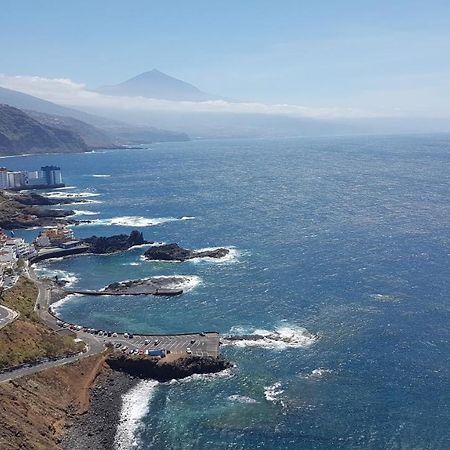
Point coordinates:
[[35, 411], [20, 133], [161, 371]]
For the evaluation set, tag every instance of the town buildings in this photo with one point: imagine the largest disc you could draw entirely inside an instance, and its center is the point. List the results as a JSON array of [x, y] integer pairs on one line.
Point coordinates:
[[46, 177]]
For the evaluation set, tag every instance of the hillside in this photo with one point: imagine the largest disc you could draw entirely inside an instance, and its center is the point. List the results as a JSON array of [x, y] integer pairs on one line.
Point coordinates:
[[156, 84], [26, 340], [20, 133], [95, 130], [92, 136]]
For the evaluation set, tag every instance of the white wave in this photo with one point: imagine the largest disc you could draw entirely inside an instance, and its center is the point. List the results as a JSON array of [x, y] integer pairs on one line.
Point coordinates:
[[273, 392], [131, 264], [232, 255], [68, 187], [241, 399], [98, 175], [135, 221], [280, 339], [385, 298], [69, 195], [55, 307], [84, 213], [319, 373], [227, 373], [184, 282], [135, 405], [46, 272]]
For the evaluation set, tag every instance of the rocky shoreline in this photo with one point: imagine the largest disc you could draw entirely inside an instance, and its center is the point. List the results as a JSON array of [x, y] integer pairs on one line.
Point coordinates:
[[26, 210], [96, 429]]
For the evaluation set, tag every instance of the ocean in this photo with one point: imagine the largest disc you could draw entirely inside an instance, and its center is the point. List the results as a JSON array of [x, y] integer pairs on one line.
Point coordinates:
[[341, 245]]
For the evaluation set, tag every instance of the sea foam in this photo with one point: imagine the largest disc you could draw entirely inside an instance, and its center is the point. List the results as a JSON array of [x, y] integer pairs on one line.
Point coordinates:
[[134, 221], [232, 256], [281, 338], [272, 393], [46, 272], [135, 405]]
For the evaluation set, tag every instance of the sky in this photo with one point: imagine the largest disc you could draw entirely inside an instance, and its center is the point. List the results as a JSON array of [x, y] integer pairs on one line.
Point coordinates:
[[376, 57]]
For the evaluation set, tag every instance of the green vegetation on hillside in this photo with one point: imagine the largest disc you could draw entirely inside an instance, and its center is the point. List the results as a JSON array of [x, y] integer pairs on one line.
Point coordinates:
[[26, 340]]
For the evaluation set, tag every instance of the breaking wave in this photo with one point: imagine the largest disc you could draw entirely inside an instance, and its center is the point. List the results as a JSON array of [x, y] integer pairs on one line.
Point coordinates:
[[69, 195], [227, 373], [46, 272], [241, 399], [134, 221], [99, 175], [280, 339], [233, 254], [84, 213], [184, 282], [135, 405], [272, 393], [57, 305]]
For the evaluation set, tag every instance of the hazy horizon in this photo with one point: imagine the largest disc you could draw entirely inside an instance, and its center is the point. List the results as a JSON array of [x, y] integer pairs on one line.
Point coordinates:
[[377, 62]]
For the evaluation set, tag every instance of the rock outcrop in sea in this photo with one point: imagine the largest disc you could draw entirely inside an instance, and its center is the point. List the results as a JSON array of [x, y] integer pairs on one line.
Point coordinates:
[[119, 242], [173, 252]]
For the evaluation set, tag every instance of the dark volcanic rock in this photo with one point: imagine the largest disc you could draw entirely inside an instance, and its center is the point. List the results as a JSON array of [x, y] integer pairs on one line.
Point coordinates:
[[181, 368], [119, 242], [23, 210], [173, 252]]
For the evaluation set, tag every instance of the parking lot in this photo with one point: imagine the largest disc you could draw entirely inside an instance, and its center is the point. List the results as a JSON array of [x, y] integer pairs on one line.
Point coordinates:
[[175, 345]]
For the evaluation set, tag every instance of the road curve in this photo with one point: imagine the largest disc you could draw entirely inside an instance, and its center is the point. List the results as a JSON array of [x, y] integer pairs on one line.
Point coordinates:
[[93, 344], [7, 316]]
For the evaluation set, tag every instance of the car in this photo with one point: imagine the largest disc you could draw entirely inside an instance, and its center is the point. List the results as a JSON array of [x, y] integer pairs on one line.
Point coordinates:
[[146, 342], [202, 333], [118, 344], [188, 351], [192, 341], [114, 335], [156, 341], [125, 335], [131, 336], [124, 348]]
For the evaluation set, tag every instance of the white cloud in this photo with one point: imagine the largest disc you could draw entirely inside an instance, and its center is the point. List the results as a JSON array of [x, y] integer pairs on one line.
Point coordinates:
[[67, 92]]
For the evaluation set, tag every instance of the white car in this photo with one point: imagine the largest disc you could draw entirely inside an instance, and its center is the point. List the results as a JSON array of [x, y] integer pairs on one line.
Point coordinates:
[[188, 351]]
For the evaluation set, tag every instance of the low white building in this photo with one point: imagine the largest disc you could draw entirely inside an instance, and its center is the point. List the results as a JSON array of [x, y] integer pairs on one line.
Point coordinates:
[[20, 247]]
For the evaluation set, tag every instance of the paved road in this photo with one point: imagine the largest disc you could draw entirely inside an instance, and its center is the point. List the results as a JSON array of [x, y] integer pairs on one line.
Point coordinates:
[[7, 316], [197, 344]]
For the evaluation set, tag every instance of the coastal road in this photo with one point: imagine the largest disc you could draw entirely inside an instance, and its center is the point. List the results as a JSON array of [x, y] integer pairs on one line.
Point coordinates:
[[7, 316], [179, 345]]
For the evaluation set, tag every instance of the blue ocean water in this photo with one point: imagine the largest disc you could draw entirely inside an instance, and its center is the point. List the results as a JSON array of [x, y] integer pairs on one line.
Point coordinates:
[[341, 244]]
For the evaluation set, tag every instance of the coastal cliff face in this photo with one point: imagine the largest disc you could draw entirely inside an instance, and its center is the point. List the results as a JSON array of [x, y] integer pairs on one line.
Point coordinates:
[[161, 371], [35, 411]]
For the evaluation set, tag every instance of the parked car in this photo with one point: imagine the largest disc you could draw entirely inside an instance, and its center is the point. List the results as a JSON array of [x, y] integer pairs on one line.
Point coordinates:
[[188, 351]]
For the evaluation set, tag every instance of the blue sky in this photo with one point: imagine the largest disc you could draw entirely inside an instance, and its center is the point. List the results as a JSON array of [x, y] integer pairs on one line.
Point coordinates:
[[355, 53]]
